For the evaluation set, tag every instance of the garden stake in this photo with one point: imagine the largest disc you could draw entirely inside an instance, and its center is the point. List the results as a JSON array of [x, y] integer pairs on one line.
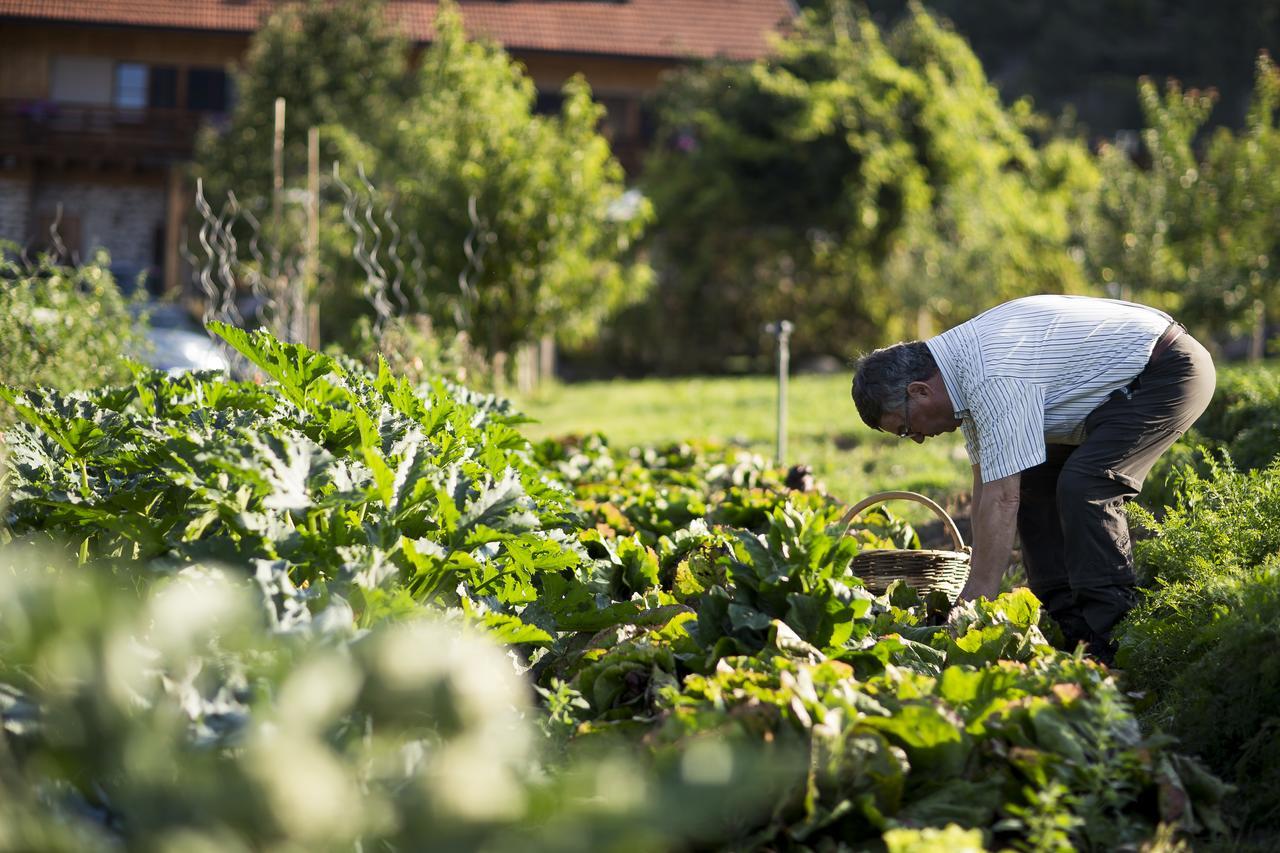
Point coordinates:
[[782, 330]]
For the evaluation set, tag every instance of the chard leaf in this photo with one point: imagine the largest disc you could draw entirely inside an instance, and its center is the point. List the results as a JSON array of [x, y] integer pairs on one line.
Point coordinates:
[[932, 740], [511, 630]]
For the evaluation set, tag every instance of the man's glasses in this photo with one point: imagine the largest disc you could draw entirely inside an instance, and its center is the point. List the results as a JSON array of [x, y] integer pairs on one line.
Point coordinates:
[[905, 429]]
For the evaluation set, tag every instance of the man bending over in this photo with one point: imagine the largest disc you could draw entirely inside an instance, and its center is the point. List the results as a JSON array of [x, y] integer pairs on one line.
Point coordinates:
[[1065, 403]]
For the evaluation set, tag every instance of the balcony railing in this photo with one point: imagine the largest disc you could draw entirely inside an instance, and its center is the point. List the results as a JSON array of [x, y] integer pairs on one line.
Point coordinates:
[[48, 129]]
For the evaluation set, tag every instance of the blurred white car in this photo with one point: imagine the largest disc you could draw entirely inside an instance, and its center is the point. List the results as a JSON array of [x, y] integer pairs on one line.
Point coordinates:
[[178, 343]]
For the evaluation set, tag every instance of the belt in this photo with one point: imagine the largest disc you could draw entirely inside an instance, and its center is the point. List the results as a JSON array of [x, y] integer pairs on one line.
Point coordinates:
[[1163, 342]]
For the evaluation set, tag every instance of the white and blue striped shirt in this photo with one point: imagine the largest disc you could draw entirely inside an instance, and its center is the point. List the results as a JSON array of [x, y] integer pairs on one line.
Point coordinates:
[[1027, 373]]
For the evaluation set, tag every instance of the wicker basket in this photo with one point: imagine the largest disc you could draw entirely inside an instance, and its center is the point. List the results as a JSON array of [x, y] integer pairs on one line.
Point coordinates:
[[923, 569]]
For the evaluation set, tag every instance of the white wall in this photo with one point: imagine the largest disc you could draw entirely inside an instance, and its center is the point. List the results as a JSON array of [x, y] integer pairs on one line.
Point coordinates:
[[82, 79]]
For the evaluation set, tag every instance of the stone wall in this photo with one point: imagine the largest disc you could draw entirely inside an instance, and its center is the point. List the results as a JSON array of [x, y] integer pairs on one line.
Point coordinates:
[[15, 208], [123, 219]]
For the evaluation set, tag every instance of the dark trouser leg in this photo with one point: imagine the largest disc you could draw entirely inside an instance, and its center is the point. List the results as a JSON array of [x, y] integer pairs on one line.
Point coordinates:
[[1043, 548], [1124, 437]]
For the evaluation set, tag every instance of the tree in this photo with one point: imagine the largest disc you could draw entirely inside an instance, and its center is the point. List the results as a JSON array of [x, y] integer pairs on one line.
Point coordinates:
[[521, 223], [854, 183], [337, 63], [552, 220], [1242, 285], [1194, 229]]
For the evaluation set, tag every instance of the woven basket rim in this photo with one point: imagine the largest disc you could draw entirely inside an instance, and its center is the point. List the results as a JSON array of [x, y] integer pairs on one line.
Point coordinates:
[[880, 497], [920, 551]]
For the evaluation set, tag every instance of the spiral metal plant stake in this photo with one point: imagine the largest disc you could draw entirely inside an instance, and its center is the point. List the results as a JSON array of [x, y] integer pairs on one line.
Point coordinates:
[[204, 268], [59, 247], [24, 260], [418, 268], [392, 287], [474, 268], [393, 253], [380, 277], [228, 261], [210, 245], [221, 250], [291, 317], [375, 287], [266, 309]]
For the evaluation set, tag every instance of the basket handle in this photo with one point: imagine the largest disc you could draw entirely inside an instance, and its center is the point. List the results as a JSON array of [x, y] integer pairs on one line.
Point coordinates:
[[880, 497]]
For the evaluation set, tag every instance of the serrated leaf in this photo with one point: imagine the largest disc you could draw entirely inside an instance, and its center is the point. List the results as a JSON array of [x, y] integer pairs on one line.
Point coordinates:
[[293, 366], [503, 505], [511, 630]]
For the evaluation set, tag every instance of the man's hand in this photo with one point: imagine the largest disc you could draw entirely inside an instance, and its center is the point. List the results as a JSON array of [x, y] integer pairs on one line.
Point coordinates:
[[995, 519]]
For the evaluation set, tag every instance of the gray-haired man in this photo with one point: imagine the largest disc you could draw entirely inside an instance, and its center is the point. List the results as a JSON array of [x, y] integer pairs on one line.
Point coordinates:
[[1065, 403]]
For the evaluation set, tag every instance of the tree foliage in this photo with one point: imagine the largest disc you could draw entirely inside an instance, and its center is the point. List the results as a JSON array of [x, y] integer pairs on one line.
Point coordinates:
[[1148, 218], [1195, 228], [63, 327], [546, 190], [1244, 282], [853, 182], [1083, 56], [519, 216]]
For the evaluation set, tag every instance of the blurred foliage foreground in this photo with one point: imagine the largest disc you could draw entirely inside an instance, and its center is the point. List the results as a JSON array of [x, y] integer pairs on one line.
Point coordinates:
[[336, 610]]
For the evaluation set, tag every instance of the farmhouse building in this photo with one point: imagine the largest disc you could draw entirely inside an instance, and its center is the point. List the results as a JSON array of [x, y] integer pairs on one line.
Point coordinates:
[[100, 100]]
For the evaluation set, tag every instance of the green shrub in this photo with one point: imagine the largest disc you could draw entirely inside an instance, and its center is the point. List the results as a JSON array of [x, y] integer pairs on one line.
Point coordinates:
[[64, 327], [1242, 420], [1228, 695], [1244, 415], [1205, 641]]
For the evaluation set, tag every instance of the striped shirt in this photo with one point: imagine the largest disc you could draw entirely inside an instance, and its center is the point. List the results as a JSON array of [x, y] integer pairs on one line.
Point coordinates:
[[1027, 373]]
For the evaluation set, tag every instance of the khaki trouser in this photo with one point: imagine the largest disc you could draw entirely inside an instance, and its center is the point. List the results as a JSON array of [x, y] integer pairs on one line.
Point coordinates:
[[1071, 519]]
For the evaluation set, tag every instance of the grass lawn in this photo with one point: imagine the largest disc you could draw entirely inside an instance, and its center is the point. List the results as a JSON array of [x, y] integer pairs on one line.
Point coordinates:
[[825, 431]]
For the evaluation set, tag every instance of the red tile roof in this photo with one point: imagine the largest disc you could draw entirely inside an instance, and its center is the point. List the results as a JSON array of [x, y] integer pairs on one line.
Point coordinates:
[[651, 28]]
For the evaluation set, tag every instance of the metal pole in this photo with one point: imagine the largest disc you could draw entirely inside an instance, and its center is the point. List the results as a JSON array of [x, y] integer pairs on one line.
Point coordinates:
[[280, 291], [307, 287], [782, 330], [277, 166]]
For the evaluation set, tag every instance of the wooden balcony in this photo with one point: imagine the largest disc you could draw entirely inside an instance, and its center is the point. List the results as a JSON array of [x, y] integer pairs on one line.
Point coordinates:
[[83, 136]]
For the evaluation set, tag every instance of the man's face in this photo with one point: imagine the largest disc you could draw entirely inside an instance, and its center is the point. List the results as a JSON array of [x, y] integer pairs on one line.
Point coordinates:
[[926, 414]]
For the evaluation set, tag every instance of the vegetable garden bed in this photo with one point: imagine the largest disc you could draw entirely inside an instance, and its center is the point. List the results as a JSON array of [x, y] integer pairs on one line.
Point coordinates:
[[335, 609]]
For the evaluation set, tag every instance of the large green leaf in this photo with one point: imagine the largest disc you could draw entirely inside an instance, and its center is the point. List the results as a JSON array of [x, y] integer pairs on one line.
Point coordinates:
[[293, 366], [934, 742]]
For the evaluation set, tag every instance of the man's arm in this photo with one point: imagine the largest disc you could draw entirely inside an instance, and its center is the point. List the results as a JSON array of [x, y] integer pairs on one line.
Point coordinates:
[[995, 519]]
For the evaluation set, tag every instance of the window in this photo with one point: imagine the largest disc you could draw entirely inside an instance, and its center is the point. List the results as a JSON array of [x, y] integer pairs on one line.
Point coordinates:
[[81, 80], [548, 103], [648, 122], [621, 121], [207, 90], [131, 86], [163, 89]]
